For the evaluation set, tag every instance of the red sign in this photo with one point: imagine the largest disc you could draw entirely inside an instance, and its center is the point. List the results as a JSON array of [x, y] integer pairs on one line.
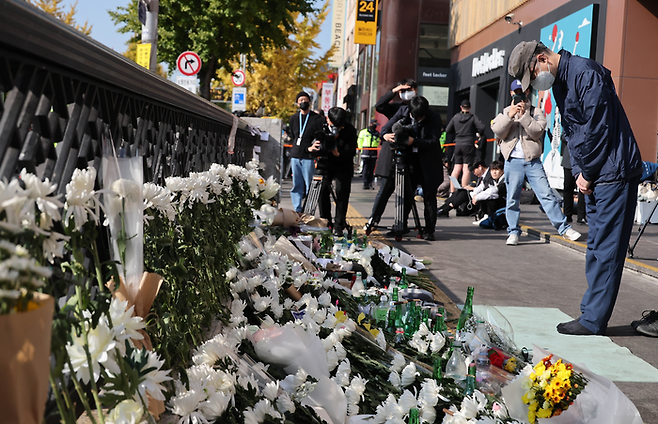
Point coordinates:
[[189, 63], [238, 78]]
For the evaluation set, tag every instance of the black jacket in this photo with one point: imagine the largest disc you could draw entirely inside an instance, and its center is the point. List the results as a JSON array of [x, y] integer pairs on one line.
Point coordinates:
[[429, 153], [386, 160], [328, 164], [385, 107], [464, 126], [313, 124], [600, 139]]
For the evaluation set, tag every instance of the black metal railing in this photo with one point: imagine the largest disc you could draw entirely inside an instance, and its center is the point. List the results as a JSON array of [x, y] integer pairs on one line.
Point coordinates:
[[62, 93]]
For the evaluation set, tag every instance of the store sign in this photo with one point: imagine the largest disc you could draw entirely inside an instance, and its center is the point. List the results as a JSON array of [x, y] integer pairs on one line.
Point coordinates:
[[338, 33], [488, 62], [365, 28], [327, 96], [433, 75]]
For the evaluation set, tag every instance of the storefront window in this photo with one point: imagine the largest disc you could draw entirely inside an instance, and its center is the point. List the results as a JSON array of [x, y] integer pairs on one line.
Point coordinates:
[[433, 48]]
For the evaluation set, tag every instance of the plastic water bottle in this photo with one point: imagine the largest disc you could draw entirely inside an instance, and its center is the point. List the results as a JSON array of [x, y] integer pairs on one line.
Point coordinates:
[[358, 287], [456, 366]]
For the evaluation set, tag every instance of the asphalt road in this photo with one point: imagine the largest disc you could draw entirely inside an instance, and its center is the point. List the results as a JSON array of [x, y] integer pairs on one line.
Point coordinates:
[[544, 270]]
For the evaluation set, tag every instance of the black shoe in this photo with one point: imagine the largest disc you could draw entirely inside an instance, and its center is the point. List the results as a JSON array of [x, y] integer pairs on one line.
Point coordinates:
[[338, 232], [574, 328], [647, 317], [443, 212], [429, 237], [582, 221], [649, 325]]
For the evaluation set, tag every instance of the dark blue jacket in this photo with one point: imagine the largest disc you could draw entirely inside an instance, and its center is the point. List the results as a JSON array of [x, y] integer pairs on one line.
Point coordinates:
[[600, 138]]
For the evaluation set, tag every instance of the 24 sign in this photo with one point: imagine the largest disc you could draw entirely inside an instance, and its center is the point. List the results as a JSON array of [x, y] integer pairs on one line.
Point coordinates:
[[365, 28], [367, 11]]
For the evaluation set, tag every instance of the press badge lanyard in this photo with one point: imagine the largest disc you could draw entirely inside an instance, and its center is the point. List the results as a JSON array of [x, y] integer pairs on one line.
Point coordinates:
[[302, 127]]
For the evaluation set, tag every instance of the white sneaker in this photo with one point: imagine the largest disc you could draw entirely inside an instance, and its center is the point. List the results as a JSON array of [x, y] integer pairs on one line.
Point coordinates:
[[571, 234], [512, 240], [478, 221]]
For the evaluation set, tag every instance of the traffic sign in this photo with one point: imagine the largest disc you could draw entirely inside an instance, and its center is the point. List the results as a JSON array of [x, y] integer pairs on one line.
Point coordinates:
[[238, 78], [239, 99], [189, 63]]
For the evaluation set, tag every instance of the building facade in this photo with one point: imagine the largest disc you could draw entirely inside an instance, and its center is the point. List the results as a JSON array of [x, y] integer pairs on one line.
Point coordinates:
[[613, 32]]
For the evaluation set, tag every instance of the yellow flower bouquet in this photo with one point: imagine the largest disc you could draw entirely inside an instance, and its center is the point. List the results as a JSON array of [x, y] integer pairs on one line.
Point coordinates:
[[551, 388]]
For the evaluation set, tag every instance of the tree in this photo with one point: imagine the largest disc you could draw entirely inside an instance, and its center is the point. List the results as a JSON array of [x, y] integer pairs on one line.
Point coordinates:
[[273, 82], [54, 8], [218, 30]]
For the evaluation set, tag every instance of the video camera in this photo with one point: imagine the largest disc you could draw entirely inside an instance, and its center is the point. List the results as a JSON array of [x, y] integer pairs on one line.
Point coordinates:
[[403, 129], [327, 137]]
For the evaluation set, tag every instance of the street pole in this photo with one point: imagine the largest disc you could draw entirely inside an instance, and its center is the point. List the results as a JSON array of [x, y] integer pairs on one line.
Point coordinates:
[[150, 32]]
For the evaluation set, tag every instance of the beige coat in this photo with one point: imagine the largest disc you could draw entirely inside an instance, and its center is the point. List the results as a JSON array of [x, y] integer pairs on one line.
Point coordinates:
[[528, 129]]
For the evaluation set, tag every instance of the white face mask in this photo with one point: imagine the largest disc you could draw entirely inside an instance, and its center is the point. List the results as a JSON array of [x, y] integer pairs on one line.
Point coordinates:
[[544, 81], [407, 95]]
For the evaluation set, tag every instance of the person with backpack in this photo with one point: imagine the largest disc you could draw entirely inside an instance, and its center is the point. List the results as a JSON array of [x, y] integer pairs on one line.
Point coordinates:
[[520, 127]]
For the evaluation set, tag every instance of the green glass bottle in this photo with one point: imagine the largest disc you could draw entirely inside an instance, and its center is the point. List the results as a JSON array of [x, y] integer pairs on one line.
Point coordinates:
[[365, 241], [355, 237], [470, 379], [414, 416], [395, 296], [437, 373], [467, 312], [439, 322], [403, 280]]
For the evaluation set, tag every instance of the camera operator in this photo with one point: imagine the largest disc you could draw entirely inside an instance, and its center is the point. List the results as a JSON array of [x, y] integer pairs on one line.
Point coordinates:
[[336, 148], [423, 136]]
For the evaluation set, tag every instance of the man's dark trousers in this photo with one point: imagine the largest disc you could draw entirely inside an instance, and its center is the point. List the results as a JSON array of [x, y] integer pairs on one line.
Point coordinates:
[[610, 215]]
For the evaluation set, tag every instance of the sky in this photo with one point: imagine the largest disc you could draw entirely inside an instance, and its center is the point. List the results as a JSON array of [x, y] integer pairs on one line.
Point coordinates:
[[103, 30]]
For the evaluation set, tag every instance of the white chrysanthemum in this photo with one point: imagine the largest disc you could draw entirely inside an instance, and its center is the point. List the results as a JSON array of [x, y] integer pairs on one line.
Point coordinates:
[[407, 401], [419, 344], [237, 312], [271, 390], [39, 195], [248, 382], [469, 407], [324, 299], [160, 199], [284, 403], [332, 360], [500, 410], [101, 343], [408, 375], [261, 303], [269, 188], [81, 200], [381, 340], [330, 321], [398, 362], [212, 350], [486, 420], [438, 340], [429, 393], [153, 380], [125, 325], [127, 190], [222, 381], [340, 351], [185, 405], [394, 379], [214, 407], [126, 412], [231, 273], [53, 246], [428, 414], [263, 408]]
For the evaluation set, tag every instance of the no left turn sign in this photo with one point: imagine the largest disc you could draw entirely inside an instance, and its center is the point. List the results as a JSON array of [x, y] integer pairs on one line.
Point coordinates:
[[238, 78], [189, 63]]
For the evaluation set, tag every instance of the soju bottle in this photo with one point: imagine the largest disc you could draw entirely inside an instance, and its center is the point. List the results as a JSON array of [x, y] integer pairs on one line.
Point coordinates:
[[437, 373], [381, 311], [365, 241], [439, 322], [403, 280], [395, 296], [399, 335], [470, 379], [467, 312], [414, 416]]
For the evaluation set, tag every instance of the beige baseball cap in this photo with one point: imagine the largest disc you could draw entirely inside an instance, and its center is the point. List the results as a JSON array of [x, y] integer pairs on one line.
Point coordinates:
[[518, 65]]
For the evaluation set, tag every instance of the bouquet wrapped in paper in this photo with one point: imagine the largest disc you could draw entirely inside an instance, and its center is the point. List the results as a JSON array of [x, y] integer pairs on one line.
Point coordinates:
[[557, 392]]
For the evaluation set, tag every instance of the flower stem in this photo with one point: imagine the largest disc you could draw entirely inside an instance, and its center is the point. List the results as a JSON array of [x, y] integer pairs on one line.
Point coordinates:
[[81, 392], [64, 407], [97, 265]]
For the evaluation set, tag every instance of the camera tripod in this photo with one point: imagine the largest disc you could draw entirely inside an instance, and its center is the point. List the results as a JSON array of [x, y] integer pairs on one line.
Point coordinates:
[[643, 227], [403, 190], [313, 195]]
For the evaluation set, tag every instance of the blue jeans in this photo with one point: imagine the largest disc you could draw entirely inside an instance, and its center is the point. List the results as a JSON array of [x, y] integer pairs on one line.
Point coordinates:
[[516, 170], [302, 177], [610, 215]]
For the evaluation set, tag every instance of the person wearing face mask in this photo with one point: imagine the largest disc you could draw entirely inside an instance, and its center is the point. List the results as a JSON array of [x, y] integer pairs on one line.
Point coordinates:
[[465, 127], [336, 152], [605, 160], [302, 128], [385, 166], [520, 128]]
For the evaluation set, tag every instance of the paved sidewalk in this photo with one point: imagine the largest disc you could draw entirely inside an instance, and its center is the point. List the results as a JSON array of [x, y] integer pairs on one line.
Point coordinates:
[[543, 273]]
